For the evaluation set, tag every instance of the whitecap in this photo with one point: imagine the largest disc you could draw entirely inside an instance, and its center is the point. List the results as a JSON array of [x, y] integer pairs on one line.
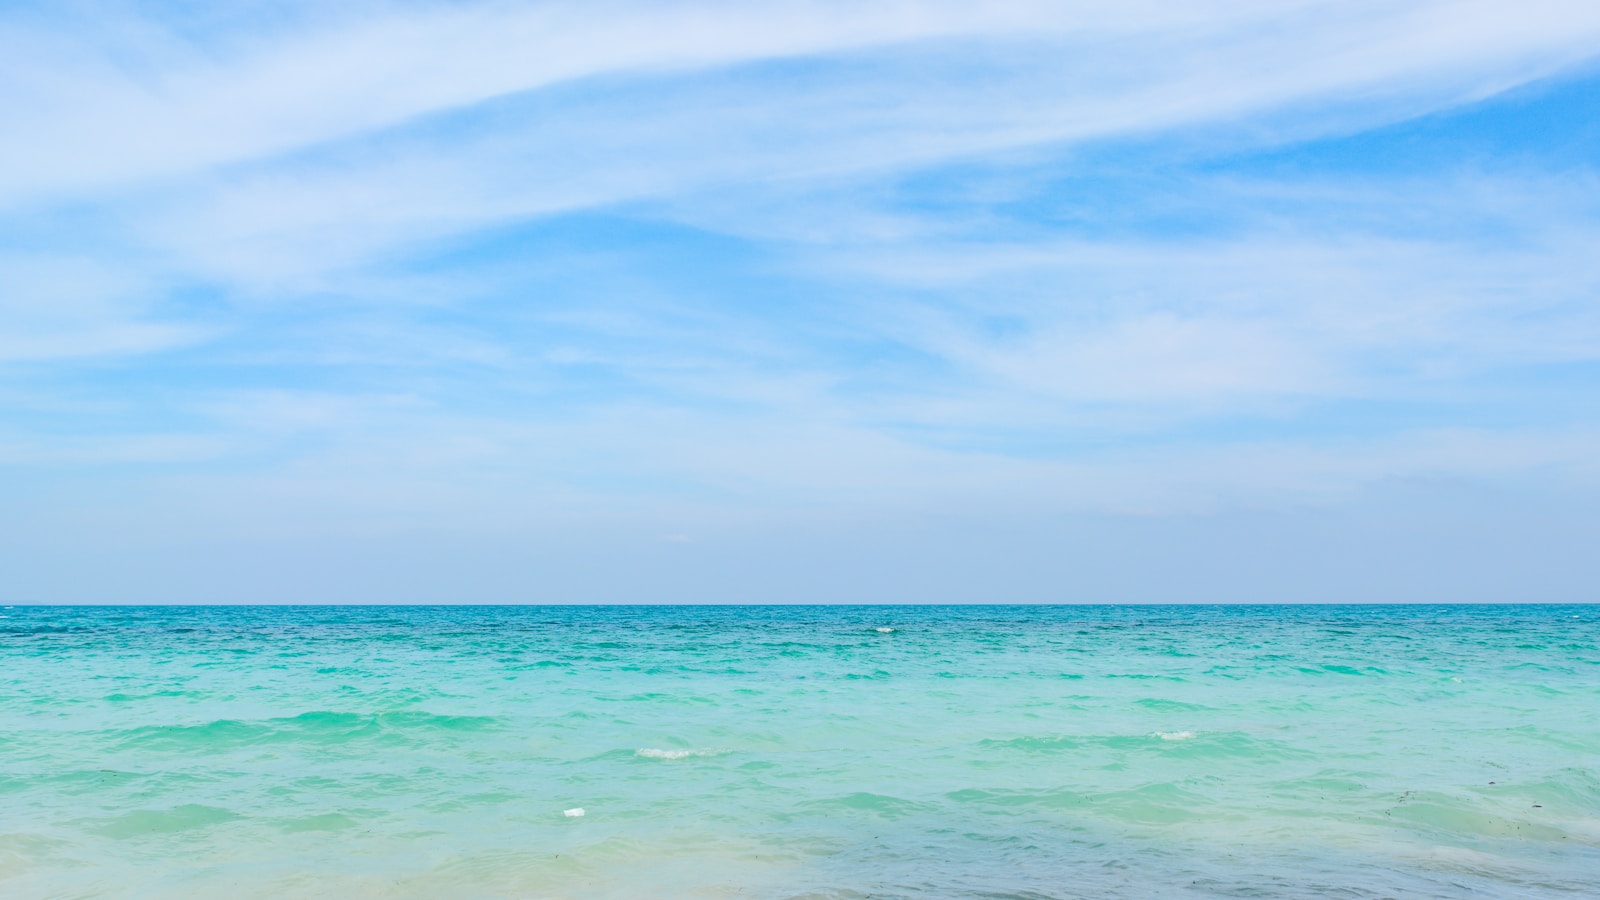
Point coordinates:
[[885, 630], [654, 753], [1175, 735], [573, 813]]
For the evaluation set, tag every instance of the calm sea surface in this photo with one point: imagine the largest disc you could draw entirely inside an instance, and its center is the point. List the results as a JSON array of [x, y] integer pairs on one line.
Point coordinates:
[[800, 751]]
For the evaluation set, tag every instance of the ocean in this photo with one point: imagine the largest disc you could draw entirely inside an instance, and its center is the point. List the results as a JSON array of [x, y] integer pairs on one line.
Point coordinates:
[[788, 752]]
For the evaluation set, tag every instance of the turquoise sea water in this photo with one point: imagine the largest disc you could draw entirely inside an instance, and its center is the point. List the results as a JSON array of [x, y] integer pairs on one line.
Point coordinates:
[[800, 751]]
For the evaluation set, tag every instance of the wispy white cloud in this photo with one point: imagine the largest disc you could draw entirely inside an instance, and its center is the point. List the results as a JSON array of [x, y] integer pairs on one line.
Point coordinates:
[[892, 86], [172, 105], [1301, 302], [55, 306], [879, 263]]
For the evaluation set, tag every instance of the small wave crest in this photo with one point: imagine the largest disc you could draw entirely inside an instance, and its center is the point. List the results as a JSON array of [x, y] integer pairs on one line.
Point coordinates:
[[654, 753], [1175, 735]]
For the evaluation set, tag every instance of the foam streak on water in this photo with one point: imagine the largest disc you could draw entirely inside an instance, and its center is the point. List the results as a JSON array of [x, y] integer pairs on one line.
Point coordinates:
[[800, 751]]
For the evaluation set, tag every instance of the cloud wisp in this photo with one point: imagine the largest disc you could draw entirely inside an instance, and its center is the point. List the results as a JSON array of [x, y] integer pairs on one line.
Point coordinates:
[[376, 267]]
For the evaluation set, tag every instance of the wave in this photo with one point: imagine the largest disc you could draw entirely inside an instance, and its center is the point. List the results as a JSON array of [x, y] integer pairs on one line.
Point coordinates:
[[1187, 743], [1031, 744], [149, 822], [655, 753], [34, 630], [881, 805], [317, 726]]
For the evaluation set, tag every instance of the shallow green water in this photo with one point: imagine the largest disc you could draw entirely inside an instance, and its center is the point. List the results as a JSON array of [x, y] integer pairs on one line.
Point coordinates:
[[800, 751]]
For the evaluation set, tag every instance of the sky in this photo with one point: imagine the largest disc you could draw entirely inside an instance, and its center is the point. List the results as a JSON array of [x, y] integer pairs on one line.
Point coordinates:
[[914, 301]]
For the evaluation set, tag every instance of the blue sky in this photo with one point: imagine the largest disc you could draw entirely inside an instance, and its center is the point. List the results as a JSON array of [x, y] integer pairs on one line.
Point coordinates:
[[805, 302]]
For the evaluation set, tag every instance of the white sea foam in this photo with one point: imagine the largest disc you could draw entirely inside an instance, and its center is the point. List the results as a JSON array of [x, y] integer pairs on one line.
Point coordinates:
[[1175, 735], [653, 753], [885, 630], [573, 813]]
